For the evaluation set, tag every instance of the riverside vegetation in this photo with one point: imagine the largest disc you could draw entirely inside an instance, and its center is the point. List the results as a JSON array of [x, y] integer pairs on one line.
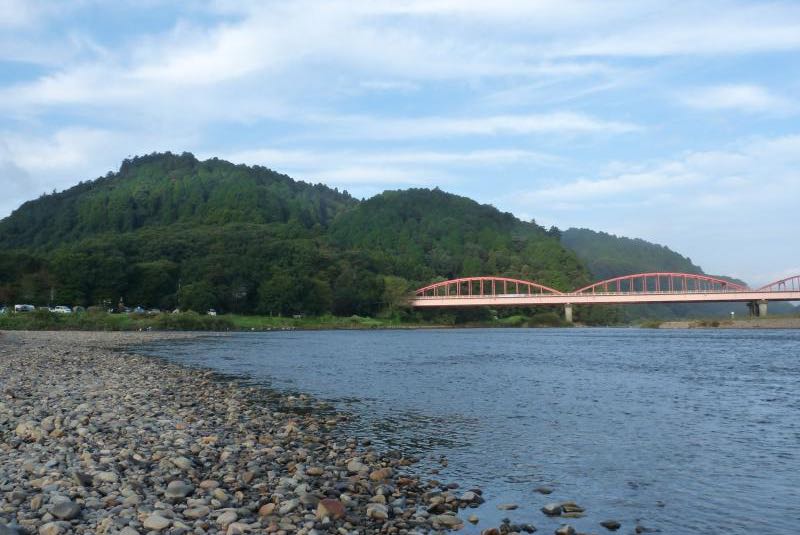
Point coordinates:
[[96, 439]]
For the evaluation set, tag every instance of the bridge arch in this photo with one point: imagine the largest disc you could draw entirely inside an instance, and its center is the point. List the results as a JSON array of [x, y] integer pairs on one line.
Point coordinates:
[[789, 284], [661, 282], [484, 286]]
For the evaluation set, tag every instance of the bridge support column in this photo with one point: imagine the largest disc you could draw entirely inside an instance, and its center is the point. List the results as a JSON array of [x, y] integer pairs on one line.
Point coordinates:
[[762, 308], [568, 313]]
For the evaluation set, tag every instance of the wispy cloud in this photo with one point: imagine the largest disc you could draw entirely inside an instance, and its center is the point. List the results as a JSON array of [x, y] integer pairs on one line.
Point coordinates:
[[741, 97]]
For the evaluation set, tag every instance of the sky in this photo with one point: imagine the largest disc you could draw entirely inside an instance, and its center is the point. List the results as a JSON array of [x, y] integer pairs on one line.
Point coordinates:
[[676, 122]]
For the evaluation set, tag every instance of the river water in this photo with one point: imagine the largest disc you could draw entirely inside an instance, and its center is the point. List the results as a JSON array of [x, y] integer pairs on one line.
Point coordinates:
[[679, 431]]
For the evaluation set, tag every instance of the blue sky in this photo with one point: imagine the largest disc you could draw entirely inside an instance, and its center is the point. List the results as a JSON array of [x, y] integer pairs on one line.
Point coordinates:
[[674, 122]]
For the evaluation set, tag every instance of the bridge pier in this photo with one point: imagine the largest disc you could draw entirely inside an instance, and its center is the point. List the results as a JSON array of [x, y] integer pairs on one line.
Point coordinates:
[[762, 308], [568, 312]]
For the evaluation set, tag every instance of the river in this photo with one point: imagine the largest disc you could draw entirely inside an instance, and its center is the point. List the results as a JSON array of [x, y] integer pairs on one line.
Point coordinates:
[[685, 431]]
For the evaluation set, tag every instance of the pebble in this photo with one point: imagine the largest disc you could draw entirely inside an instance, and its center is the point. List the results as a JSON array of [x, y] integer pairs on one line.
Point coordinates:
[[226, 518], [611, 525], [544, 490], [178, 489], [156, 522], [565, 529], [66, 510], [507, 506]]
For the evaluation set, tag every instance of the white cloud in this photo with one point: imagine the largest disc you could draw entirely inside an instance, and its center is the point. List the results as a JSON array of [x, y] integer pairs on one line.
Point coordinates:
[[727, 209], [742, 97]]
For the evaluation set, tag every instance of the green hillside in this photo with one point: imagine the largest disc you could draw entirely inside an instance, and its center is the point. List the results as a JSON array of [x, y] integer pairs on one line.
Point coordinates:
[[169, 230]]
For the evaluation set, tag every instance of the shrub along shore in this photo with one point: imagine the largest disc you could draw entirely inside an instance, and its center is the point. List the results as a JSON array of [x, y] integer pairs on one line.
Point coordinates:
[[43, 320], [95, 439]]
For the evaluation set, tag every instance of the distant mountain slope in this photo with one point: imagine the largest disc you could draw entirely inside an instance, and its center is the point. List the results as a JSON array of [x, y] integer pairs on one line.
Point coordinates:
[[607, 255], [164, 189]]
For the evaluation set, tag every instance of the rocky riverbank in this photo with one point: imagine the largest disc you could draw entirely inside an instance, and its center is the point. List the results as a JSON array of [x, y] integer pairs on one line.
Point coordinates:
[[96, 439]]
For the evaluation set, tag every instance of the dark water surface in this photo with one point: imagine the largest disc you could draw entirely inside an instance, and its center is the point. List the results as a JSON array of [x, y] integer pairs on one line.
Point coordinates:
[[686, 431]]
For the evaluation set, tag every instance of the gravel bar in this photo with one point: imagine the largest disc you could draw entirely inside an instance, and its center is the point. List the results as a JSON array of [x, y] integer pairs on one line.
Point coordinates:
[[97, 439]]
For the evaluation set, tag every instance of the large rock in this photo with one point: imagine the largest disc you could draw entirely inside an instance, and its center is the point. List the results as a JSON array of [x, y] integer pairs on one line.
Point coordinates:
[[552, 509], [611, 525], [565, 529]]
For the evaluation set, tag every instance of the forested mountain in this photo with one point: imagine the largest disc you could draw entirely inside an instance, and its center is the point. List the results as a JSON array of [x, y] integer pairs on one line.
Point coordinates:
[[168, 230]]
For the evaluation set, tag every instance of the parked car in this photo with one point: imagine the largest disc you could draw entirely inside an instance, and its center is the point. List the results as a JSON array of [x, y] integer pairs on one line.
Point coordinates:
[[211, 312], [61, 309], [24, 308], [139, 310]]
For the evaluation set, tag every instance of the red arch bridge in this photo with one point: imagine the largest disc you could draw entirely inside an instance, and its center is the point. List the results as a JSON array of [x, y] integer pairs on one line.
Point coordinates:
[[630, 289]]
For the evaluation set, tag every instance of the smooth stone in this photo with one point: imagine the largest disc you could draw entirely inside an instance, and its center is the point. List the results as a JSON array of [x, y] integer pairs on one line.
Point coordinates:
[[552, 509], [355, 467], [565, 529], [66, 510], [156, 522], [490, 531], [330, 508], [447, 520], [10, 530], [288, 506], [507, 506], [181, 462], [226, 518], [266, 509], [194, 513], [237, 528], [178, 489], [50, 528], [473, 519], [377, 511], [468, 496], [314, 471], [611, 525], [127, 530], [544, 490], [381, 474]]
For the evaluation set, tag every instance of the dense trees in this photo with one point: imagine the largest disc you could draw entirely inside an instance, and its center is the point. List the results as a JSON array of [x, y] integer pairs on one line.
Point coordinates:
[[168, 230]]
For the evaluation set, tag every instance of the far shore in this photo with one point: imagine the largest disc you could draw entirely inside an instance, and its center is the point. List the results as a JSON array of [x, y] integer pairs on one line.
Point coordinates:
[[777, 322]]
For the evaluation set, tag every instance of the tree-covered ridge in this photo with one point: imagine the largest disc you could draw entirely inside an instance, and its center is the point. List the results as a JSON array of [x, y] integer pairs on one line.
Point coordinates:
[[163, 189], [425, 235], [168, 230]]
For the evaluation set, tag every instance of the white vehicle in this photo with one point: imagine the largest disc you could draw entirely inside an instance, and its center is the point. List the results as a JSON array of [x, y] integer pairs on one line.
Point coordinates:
[[24, 308], [61, 309], [211, 312]]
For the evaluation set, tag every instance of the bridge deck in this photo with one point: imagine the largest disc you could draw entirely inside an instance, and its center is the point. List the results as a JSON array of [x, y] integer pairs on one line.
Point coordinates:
[[601, 299]]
